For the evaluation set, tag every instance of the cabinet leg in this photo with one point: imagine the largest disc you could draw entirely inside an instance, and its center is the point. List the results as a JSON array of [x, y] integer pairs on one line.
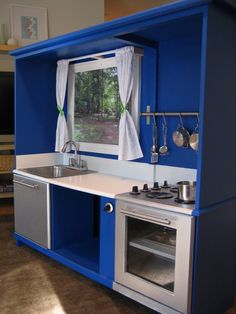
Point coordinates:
[[19, 243]]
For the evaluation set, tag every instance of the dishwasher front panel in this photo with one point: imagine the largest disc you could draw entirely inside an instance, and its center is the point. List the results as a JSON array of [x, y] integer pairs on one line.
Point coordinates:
[[32, 210]]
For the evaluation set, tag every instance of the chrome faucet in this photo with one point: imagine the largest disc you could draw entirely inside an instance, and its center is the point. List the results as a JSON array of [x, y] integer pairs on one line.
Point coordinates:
[[73, 161]]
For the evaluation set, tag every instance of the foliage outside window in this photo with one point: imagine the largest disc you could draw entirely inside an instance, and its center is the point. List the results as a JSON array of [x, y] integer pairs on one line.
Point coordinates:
[[96, 108]]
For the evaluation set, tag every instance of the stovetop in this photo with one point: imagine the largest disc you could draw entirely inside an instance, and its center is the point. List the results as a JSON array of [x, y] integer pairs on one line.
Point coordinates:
[[158, 196]]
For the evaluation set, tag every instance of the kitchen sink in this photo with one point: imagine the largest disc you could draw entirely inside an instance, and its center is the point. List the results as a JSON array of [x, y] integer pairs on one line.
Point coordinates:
[[57, 171]]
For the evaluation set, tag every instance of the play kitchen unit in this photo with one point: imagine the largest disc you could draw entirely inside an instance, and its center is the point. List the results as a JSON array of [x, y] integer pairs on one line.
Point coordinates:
[[161, 229]]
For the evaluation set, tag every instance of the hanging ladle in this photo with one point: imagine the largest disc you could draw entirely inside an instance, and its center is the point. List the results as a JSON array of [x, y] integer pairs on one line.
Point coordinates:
[[163, 150]]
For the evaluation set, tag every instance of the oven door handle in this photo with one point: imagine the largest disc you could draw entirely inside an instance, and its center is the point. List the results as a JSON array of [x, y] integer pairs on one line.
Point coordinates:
[[164, 221]]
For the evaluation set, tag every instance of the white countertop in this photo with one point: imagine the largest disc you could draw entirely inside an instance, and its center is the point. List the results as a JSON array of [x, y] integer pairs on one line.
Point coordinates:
[[110, 186], [93, 183]]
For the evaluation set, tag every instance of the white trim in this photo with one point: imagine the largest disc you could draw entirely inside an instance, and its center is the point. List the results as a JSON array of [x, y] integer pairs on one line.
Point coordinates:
[[48, 218], [82, 67], [99, 148], [94, 65], [136, 91], [37, 160], [138, 51], [70, 102]]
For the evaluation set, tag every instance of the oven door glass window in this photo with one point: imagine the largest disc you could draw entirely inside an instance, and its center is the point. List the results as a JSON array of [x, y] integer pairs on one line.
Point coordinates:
[[151, 252]]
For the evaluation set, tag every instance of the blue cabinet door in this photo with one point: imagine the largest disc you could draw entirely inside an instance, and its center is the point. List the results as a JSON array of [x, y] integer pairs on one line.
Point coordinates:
[[107, 238]]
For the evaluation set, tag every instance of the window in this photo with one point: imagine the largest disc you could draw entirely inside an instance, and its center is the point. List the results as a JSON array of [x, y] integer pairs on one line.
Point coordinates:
[[94, 105]]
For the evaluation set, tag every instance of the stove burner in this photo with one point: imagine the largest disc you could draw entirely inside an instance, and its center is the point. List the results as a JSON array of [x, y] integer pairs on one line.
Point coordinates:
[[177, 200], [174, 189], [159, 195]]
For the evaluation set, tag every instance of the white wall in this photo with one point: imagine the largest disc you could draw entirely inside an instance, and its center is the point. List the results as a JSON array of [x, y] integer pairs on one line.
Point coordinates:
[[64, 16]]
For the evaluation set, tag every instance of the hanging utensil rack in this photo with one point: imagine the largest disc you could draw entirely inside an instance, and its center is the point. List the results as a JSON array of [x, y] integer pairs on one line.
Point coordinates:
[[147, 114]]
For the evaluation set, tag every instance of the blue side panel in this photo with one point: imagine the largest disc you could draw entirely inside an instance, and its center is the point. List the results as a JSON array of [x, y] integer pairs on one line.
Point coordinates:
[[35, 106], [71, 218], [148, 98], [107, 240], [65, 261], [217, 171], [214, 282], [178, 90]]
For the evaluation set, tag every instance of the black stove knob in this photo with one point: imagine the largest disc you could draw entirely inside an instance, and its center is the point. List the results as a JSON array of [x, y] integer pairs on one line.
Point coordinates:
[[135, 190], [156, 186], [145, 188], [165, 185]]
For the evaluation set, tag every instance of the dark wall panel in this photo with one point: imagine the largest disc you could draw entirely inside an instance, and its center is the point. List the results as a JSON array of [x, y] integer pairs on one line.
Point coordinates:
[[217, 176], [215, 260]]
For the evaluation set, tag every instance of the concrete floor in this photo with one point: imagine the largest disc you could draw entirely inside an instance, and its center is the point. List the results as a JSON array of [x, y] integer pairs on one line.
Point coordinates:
[[33, 283]]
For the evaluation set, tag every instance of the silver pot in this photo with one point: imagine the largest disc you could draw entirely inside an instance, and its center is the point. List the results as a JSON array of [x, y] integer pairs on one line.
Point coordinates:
[[194, 138], [181, 135], [187, 191]]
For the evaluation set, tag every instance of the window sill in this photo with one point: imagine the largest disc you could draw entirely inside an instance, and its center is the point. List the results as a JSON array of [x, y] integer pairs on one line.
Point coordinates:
[[99, 148]]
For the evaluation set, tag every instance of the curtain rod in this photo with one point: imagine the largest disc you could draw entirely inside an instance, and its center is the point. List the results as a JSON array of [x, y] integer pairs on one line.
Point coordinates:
[[137, 51]]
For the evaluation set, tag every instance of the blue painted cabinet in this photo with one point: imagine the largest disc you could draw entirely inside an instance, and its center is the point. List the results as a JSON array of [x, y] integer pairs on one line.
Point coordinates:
[[107, 237], [189, 64], [83, 233]]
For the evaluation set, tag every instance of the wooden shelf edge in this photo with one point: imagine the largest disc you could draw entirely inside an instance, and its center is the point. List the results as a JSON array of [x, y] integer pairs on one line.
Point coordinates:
[[7, 146], [5, 172], [7, 195], [6, 48], [10, 138]]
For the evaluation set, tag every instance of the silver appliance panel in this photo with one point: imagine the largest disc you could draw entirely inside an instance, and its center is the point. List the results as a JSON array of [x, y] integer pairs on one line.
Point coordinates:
[[32, 210], [154, 251]]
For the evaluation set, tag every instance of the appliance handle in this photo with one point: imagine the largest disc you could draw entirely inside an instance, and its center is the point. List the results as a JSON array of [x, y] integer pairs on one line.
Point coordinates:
[[34, 186], [164, 221]]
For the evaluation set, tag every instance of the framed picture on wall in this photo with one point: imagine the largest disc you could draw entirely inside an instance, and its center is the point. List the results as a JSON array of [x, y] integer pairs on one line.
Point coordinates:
[[28, 24]]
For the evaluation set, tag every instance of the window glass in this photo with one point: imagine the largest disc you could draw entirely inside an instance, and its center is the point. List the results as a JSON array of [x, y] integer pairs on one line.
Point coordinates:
[[97, 106]]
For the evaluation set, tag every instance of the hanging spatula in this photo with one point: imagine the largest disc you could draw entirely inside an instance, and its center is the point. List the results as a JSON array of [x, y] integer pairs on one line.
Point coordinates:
[[154, 150]]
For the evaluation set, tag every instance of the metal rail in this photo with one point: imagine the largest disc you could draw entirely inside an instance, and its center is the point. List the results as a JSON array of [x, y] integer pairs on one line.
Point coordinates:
[[147, 114]]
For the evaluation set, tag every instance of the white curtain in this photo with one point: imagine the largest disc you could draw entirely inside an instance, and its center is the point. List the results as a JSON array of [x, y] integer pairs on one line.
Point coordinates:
[[129, 147], [61, 82]]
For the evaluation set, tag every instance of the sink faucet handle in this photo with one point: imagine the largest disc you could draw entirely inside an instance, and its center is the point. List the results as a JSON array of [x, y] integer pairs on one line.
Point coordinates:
[[83, 164], [73, 162]]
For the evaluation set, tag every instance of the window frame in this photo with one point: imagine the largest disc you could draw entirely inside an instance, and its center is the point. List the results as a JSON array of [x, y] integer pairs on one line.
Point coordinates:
[[101, 63]]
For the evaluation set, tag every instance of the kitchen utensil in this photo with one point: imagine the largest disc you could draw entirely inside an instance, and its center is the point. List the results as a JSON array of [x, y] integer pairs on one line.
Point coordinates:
[[193, 140], [154, 150], [181, 135], [186, 191], [163, 150]]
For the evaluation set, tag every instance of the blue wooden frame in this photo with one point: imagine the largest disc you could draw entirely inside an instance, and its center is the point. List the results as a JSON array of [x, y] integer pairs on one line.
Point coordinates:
[[65, 261], [35, 130], [212, 64]]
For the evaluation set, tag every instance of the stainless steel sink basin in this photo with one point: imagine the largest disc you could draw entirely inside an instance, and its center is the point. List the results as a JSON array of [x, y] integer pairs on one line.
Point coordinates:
[[58, 171]]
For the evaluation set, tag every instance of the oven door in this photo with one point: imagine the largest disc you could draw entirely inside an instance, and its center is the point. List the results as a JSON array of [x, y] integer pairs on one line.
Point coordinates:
[[154, 250]]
